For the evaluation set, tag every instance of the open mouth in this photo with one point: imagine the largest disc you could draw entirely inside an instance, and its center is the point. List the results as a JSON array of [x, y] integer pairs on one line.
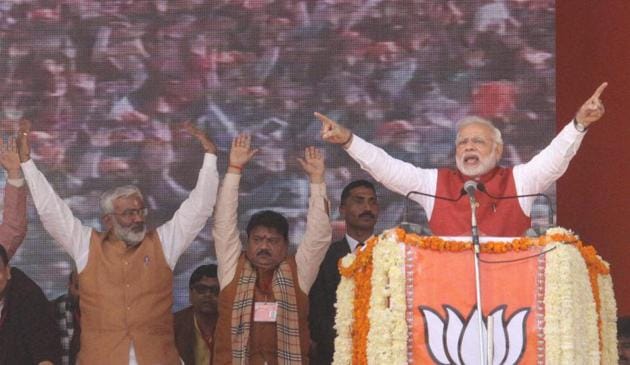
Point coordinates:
[[471, 160]]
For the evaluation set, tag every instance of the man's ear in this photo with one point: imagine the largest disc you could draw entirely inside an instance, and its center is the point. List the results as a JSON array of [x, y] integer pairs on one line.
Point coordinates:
[[342, 210], [8, 270], [499, 149], [107, 220]]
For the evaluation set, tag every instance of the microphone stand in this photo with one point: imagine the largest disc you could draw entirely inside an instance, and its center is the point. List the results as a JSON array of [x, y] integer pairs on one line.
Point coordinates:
[[550, 216], [416, 228], [476, 251]]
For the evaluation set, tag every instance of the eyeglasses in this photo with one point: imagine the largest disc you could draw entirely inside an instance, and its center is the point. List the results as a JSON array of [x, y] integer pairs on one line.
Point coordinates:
[[129, 213], [205, 289]]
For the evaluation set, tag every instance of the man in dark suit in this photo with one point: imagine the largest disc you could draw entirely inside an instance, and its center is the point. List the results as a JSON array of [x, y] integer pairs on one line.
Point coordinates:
[[194, 326], [359, 209]]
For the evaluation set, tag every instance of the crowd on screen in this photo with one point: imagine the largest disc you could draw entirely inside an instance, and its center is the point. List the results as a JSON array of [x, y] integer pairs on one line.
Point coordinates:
[[105, 84]]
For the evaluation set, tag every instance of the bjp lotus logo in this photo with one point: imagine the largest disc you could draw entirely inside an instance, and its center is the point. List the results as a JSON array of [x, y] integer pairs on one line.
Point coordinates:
[[455, 340]]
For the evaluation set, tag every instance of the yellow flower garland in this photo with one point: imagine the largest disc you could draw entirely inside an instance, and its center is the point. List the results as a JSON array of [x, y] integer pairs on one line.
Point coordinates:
[[344, 316], [361, 268], [567, 283], [387, 338], [608, 320]]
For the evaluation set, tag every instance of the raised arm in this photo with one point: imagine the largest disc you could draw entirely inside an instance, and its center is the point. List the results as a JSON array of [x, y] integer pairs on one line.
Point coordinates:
[[396, 175], [227, 242], [550, 164], [54, 213], [179, 232], [318, 234], [13, 228]]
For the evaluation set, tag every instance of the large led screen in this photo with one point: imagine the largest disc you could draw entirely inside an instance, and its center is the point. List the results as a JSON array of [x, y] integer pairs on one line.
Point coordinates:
[[107, 83]]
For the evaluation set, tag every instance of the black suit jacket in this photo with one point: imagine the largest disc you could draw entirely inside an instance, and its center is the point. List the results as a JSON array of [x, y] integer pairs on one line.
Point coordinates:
[[322, 297]]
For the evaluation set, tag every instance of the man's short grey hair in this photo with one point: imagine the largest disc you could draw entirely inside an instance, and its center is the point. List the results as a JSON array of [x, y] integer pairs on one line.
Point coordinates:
[[496, 133], [108, 197]]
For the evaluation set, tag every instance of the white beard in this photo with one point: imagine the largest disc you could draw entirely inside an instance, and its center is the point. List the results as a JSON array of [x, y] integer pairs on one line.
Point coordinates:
[[484, 166], [127, 235]]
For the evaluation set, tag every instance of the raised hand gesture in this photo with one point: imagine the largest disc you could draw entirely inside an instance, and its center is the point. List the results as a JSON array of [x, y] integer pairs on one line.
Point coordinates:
[[240, 153], [203, 138], [333, 132], [313, 164], [592, 109], [23, 146], [9, 158]]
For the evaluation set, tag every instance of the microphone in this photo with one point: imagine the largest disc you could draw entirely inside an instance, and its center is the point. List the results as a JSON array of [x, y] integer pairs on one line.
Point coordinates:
[[550, 215], [414, 227], [470, 187]]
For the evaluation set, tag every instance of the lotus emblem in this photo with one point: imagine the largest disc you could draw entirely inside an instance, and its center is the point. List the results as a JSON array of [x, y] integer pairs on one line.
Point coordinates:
[[455, 340]]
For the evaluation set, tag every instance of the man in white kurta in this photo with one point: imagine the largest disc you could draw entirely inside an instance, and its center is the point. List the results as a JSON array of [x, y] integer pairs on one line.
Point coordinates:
[[126, 287]]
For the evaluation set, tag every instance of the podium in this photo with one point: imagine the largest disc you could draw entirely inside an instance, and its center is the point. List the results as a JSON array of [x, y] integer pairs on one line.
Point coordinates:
[[409, 299]]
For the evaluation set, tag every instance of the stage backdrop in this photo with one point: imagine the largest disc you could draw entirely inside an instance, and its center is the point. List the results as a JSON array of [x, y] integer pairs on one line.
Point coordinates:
[[593, 195], [107, 82]]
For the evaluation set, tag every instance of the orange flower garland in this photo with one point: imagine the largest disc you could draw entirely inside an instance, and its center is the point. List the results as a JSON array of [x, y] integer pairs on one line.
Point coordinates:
[[361, 271]]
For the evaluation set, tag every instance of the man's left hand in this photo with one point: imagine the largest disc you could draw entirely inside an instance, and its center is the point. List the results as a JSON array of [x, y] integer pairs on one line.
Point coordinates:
[[593, 109], [313, 164]]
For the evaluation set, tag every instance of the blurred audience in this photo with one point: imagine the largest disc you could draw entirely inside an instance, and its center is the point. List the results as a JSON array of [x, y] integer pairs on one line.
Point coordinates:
[[104, 82]]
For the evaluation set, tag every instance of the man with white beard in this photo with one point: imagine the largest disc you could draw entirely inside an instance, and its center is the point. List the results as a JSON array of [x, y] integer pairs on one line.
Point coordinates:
[[478, 149], [125, 273]]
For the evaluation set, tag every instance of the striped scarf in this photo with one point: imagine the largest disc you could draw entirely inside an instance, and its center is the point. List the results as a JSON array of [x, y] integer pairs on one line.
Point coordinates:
[[287, 325]]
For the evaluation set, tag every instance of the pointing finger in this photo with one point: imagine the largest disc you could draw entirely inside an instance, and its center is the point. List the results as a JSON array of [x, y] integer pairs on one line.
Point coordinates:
[[599, 90], [324, 119]]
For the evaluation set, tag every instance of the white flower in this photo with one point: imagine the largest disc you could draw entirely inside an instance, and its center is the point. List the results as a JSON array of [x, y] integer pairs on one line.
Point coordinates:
[[570, 331], [559, 230], [344, 318], [387, 338]]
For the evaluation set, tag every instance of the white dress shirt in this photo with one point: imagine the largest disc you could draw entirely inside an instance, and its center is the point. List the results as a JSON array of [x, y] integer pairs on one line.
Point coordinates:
[[532, 177], [175, 235]]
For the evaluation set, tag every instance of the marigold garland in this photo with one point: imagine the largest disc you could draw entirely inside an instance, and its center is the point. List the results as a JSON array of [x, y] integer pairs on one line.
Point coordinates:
[[608, 317], [361, 271], [344, 318], [570, 329], [387, 338]]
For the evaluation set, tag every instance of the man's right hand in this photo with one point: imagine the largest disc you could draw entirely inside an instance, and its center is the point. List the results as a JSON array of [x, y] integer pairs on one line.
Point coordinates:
[[23, 147], [9, 158], [240, 153], [333, 132]]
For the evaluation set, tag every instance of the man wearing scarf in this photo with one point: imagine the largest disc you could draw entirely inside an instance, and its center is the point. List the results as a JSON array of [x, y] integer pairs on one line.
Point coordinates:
[[263, 303]]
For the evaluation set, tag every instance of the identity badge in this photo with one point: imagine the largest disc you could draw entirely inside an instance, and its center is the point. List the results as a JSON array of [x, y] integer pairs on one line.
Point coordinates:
[[265, 311]]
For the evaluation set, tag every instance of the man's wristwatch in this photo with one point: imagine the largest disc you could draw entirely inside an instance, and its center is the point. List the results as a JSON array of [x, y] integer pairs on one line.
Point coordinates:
[[579, 127]]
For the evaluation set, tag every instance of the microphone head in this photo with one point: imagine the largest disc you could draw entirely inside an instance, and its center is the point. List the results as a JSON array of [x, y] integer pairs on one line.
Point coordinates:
[[470, 186]]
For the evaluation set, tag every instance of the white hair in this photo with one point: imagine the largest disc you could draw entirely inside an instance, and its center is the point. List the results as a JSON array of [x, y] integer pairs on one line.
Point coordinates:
[[496, 133], [108, 197]]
